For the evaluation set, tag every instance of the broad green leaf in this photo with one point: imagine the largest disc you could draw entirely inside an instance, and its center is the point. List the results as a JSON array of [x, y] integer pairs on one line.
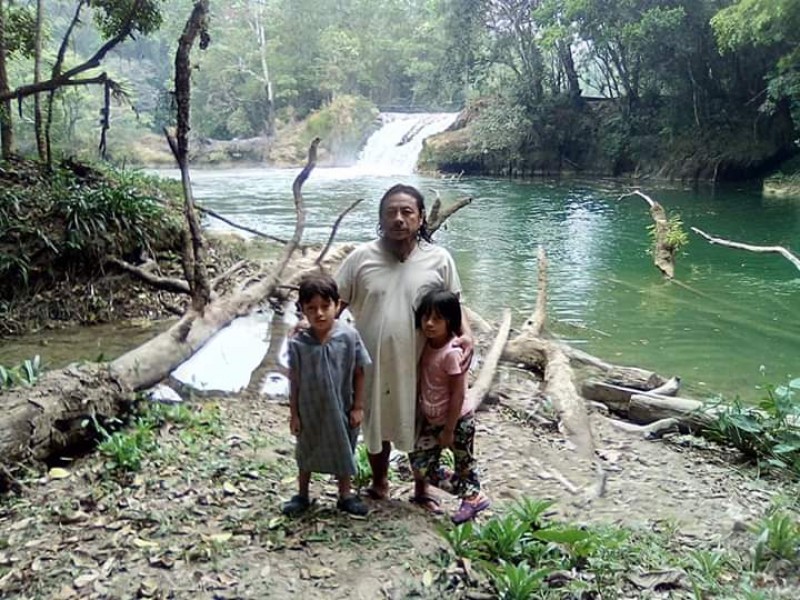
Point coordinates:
[[561, 536]]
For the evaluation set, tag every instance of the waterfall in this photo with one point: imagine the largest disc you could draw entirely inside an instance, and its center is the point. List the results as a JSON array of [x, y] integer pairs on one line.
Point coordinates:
[[395, 147]]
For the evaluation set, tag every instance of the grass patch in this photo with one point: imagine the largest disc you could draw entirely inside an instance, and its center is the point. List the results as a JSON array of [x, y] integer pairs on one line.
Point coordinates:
[[127, 445]]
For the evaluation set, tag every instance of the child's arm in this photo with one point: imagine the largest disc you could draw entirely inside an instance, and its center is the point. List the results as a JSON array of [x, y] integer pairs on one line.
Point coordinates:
[[357, 410], [458, 390], [294, 412]]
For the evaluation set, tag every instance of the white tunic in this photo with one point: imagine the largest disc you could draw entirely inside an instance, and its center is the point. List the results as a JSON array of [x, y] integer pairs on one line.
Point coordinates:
[[382, 293]]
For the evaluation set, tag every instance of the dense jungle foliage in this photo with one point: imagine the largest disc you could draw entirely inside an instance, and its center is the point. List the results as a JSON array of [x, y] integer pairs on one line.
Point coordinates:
[[65, 223], [708, 88]]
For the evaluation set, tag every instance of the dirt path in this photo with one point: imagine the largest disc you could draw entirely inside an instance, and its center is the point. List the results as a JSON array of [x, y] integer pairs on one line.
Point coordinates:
[[201, 519]]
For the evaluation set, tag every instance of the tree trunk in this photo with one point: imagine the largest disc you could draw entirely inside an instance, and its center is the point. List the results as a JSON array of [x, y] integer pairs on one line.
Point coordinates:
[[38, 125], [6, 124], [43, 421]]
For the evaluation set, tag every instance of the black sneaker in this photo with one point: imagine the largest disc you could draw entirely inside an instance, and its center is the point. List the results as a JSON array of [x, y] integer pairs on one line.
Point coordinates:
[[352, 505], [296, 506]]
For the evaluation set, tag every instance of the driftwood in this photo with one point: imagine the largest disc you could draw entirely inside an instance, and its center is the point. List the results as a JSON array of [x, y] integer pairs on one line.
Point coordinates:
[[663, 252], [483, 383], [559, 383], [646, 409], [618, 397], [787, 254], [653, 431]]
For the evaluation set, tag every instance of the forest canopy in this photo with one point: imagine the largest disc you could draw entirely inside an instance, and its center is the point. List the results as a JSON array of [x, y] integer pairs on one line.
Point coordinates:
[[674, 70]]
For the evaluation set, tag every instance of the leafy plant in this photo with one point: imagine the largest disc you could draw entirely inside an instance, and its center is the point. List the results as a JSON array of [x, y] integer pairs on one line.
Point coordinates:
[[26, 373], [531, 511], [676, 236], [462, 539], [777, 537], [516, 582], [363, 468], [501, 538], [127, 449], [769, 434]]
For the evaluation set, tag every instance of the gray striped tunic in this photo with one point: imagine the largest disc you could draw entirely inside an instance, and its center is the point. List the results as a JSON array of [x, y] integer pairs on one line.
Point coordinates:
[[324, 375]]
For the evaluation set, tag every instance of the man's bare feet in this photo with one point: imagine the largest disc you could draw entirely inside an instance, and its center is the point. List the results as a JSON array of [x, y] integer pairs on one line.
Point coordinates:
[[378, 491]]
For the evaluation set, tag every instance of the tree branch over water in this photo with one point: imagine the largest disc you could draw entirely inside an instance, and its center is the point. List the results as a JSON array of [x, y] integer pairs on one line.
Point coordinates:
[[787, 254]]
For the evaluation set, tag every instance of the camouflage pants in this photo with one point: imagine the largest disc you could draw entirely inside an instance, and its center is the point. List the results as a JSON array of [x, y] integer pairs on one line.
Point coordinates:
[[464, 481]]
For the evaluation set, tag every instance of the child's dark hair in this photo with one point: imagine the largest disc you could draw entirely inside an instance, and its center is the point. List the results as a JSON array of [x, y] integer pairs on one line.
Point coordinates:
[[317, 285], [445, 304]]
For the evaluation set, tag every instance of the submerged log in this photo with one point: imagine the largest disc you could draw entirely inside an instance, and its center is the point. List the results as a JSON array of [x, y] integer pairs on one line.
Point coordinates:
[[663, 251]]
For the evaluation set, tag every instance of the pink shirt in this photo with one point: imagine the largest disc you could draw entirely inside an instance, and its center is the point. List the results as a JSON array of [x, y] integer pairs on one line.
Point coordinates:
[[436, 367]]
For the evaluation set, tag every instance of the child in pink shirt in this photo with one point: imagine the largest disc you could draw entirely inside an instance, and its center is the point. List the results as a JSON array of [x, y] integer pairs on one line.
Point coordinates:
[[445, 421]]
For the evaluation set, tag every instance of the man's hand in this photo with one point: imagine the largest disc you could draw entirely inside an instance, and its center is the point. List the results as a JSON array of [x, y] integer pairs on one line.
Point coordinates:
[[467, 345], [294, 425], [356, 417], [446, 438]]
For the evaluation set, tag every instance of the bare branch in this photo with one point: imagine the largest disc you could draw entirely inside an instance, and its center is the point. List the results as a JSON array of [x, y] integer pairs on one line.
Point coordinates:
[[476, 393], [169, 284], [438, 217], [194, 261], [787, 254], [216, 215], [334, 229], [64, 79]]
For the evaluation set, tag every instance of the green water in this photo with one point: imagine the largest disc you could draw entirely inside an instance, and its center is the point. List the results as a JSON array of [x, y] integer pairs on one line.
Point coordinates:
[[730, 313]]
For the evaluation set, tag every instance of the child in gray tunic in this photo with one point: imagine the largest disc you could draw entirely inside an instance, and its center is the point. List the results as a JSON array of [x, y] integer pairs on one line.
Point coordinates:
[[326, 363]]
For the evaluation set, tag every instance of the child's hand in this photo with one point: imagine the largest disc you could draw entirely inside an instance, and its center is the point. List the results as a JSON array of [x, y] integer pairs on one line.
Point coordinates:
[[446, 438], [294, 425], [356, 416]]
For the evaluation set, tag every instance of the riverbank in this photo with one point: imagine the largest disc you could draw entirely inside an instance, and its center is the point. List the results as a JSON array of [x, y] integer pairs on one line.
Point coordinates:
[[198, 513]]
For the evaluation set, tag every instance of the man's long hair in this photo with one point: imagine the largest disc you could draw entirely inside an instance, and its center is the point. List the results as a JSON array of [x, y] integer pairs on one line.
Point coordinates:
[[410, 190]]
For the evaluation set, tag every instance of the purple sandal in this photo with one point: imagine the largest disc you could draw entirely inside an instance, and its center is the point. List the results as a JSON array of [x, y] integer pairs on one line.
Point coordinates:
[[468, 510]]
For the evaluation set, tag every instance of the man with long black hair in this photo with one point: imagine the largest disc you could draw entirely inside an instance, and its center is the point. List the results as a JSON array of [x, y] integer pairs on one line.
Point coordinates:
[[382, 282]]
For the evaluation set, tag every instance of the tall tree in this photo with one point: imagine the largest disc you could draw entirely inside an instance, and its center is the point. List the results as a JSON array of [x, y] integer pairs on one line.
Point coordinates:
[[6, 127], [767, 24], [116, 20], [38, 124]]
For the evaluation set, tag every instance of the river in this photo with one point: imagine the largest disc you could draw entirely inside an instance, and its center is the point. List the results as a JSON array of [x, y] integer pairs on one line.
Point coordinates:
[[729, 326]]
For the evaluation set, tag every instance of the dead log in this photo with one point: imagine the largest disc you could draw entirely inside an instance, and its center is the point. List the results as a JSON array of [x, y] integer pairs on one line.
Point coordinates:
[[479, 389], [559, 384], [663, 250], [50, 417], [691, 414], [653, 431], [749, 247], [618, 397]]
